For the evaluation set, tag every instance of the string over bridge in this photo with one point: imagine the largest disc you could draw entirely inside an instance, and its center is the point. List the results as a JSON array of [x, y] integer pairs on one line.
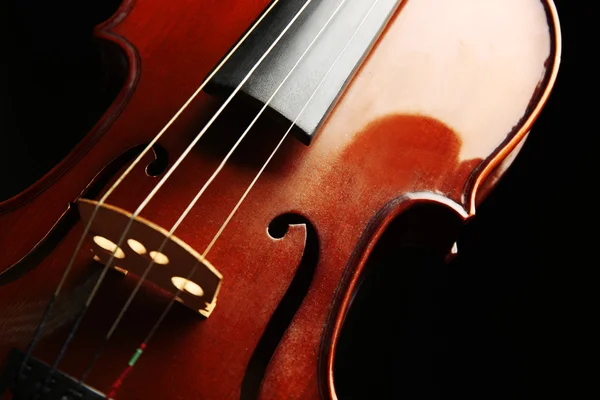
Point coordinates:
[[172, 264]]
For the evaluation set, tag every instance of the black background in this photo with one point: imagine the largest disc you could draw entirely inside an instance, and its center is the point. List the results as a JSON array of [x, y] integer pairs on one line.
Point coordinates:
[[504, 320]]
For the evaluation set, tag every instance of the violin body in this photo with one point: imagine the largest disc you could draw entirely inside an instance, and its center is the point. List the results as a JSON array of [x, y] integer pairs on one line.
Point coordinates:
[[432, 118]]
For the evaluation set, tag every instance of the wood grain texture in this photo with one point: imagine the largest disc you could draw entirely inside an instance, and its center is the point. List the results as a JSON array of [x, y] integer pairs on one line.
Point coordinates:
[[368, 164]]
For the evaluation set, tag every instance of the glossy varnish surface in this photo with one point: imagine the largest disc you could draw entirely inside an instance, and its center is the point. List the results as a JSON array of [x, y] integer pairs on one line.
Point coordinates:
[[357, 174]]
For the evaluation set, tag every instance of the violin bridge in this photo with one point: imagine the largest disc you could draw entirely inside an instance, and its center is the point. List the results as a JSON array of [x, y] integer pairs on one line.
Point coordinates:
[[172, 265]]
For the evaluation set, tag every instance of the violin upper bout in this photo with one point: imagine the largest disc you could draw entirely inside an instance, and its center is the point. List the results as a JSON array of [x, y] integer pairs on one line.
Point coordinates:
[[449, 95]]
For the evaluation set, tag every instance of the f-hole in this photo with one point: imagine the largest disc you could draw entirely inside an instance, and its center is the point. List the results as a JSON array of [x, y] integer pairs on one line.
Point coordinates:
[[287, 308], [160, 163]]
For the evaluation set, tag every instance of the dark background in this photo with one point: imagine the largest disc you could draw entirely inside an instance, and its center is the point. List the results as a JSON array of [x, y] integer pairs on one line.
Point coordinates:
[[506, 319]]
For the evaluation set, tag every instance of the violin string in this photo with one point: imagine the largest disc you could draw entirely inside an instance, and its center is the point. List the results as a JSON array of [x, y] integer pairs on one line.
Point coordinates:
[[142, 347], [156, 188], [57, 291], [210, 180], [285, 135]]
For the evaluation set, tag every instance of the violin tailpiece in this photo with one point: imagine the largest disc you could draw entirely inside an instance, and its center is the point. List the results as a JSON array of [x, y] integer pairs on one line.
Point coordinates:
[[37, 380]]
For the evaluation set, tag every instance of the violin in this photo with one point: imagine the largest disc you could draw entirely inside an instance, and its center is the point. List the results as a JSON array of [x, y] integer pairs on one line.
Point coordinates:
[[206, 238]]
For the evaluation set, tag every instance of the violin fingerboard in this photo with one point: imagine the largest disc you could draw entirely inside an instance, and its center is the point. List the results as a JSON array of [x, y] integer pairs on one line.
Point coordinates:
[[326, 58]]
